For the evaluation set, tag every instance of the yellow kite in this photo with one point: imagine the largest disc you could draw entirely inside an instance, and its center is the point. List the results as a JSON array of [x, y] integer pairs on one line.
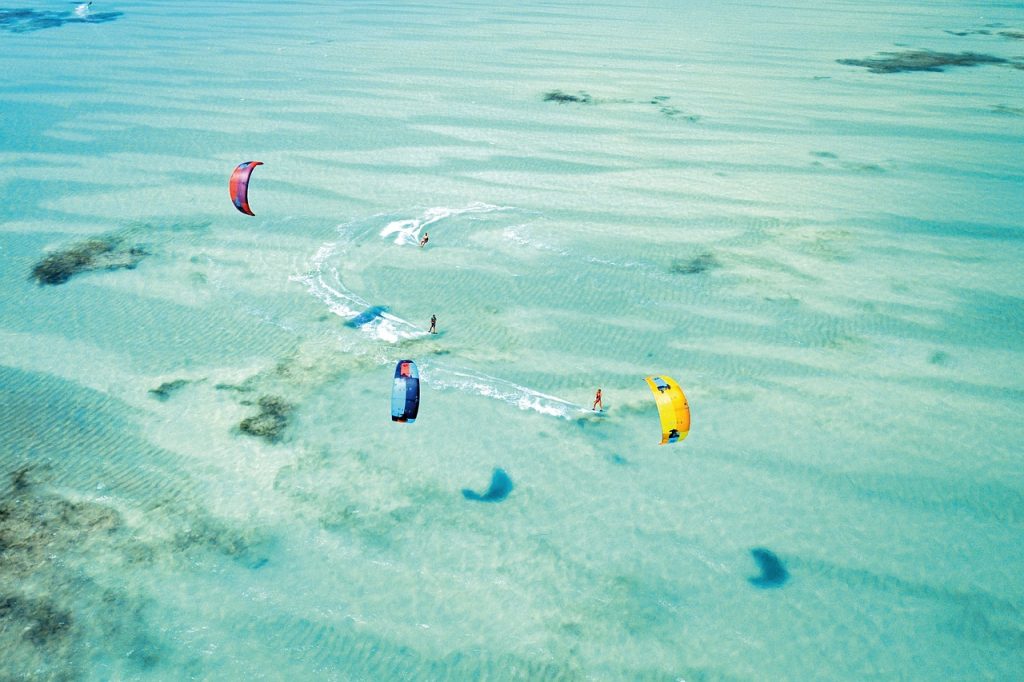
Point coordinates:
[[672, 408]]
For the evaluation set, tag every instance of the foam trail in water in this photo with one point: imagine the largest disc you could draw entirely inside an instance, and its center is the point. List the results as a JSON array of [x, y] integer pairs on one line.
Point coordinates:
[[492, 387], [521, 236], [408, 231], [324, 283], [392, 329], [518, 235], [338, 299]]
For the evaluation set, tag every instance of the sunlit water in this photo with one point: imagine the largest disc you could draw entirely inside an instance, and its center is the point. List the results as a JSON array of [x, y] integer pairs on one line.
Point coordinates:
[[825, 258]]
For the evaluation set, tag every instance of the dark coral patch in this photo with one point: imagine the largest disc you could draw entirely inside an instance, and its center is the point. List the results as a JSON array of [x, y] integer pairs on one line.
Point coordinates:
[[1006, 109], [245, 387], [661, 101], [164, 390], [40, 621], [693, 266], [921, 60], [1012, 34], [35, 526], [565, 98], [100, 253], [271, 421], [210, 535]]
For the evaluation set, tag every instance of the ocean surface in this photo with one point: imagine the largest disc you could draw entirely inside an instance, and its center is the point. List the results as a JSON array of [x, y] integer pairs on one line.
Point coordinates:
[[199, 476]]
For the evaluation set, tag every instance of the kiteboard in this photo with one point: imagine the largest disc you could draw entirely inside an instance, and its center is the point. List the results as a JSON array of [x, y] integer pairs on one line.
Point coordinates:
[[587, 413]]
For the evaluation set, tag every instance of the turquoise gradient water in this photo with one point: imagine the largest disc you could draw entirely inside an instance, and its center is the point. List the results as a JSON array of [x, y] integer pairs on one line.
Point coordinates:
[[826, 259]]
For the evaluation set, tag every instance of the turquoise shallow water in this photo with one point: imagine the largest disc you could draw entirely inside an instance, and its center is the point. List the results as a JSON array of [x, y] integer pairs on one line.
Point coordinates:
[[825, 258]]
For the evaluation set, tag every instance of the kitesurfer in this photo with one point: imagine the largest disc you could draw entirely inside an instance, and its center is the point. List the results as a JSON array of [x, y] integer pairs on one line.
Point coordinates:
[[597, 401], [433, 324], [426, 238]]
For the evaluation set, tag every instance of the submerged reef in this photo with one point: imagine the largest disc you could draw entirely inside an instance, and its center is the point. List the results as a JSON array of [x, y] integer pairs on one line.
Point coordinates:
[[22, 20], [204, 534], [164, 390], [564, 97], [582, 97], [831, 159], [109, 252], [35, 527], [694, 266], [661, 101], [1006, 109], [1012, 34], [773, 573], [501, 486], [271, 420], [44, 539], [921, 60], [39, 621], [66, 594], [244, 387]]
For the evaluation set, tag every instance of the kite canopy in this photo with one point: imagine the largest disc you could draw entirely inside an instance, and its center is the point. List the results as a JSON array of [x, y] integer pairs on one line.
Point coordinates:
[[239, 185], [672, 408], [405, 394]]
